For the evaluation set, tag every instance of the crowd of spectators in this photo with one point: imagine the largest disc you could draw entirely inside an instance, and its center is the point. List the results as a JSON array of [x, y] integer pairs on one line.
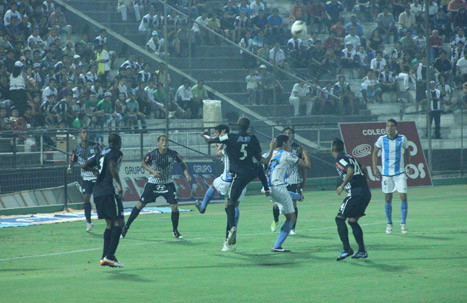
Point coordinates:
[[48, 80]]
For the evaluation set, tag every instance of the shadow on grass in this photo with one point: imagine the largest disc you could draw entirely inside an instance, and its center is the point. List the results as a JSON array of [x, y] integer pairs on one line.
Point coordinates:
[[378, 266], [424, 237], [121, 274]]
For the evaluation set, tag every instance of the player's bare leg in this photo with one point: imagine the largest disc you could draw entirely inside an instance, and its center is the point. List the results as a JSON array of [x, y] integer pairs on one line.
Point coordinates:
[[404, 209], [388, 210]]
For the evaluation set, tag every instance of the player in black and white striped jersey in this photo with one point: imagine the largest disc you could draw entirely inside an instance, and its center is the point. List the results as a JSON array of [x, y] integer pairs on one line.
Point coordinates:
[[81, 153], [296, 180], [159, 163]]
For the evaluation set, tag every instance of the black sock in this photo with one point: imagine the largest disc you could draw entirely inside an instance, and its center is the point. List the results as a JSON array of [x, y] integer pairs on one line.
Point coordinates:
[[296, 217], [114, 239], [227, 226], [343, 232], [134, 213], [275, 213], [231, 215], [87, 211], [107, 234], [175, 216], [358, 234]]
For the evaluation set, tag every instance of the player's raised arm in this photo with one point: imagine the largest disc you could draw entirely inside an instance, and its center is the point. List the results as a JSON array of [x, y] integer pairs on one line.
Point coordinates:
[[305, 162], [266, 160], [146, 165]]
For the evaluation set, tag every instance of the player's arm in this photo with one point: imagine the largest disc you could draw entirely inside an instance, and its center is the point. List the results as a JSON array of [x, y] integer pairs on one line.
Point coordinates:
[[154, 172], [305, 162], [219, 150], [184, 167], [73, 160], [266, 160], [407, 162], [210, 140], [374, 160], [365, 173], [91, 165], [114, 172], [349, 171]]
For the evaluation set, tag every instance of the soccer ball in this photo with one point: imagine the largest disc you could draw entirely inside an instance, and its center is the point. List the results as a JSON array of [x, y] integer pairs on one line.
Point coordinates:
[[298, 28]]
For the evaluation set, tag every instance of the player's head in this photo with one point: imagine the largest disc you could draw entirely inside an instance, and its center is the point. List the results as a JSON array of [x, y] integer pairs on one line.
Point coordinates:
[[162, 142], [289, 131], [337, 146], [283, 142], [243, 124], [391, 127], [221, 127], [115, 141], [84, 134]]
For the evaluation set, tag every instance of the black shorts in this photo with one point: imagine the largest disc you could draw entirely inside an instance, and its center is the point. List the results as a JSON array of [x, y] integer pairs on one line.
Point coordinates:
[[239, 182], [152, 191], [354, 206], [293, 188], [87, 186], [109, 207]]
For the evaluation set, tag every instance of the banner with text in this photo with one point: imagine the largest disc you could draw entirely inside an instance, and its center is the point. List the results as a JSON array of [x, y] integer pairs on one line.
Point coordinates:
[[203, 173], [359, 140]]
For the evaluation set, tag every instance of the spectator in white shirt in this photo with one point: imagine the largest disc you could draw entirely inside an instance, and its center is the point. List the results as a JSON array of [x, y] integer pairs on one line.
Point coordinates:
[[255, 6], [377, 64], [12, 12], [300, 93], [252, 87], [199, 26], [370, 87], [184, 97], [277, 55], [462, 67], [352, 38]]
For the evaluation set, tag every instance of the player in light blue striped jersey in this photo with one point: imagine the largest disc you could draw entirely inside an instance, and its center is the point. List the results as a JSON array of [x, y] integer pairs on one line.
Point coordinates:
[[395, 159]]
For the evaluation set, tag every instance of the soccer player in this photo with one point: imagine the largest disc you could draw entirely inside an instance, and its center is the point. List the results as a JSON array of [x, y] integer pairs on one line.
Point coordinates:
[[159, 163], [223, 182], [394, 157], [241, 148], [81, 153], [353, 207], [108, 203], [281, 162], [293, 176]]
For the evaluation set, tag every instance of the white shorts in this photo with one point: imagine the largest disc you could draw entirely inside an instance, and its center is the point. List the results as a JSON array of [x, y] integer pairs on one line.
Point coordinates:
[[223, 187], [280, 195], [397, 183]]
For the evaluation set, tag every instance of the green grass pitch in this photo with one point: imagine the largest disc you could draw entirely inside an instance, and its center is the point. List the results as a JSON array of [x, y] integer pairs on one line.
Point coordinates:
[[59, 262]]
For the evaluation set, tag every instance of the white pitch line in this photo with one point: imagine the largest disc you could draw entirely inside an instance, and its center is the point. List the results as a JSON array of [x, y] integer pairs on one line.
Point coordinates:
[[159, 242]]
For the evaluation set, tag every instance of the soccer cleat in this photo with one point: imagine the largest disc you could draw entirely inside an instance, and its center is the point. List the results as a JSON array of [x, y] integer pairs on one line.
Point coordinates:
[[389, 229], [177, 234], [292, 232], [232, 236], [124, 231], [103, 263], [404, 228], [227, 247], [280, 249], [198, 206], [344, 254], [360, 255], [89, 226], [274, 226], [111, 263]]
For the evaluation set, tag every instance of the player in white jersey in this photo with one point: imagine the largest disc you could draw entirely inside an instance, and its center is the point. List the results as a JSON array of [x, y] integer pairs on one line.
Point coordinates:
[[223, 182], [279, 165], [296, 180], [395, 159]]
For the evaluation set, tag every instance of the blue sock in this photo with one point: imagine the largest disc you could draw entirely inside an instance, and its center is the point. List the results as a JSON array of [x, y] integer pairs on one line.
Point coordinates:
[[404, 207], [237, 215], [294, 196], [388, 209], [208, 197], [286, 227]]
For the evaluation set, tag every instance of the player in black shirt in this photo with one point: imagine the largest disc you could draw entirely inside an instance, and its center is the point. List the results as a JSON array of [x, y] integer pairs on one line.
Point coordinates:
[[353, 207], [241, 148], [108, 202], [81, 153], [159, 163]]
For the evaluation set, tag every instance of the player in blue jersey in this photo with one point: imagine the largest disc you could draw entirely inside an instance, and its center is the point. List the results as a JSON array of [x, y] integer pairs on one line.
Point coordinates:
[[353, 207], [395, 159], [108, 200], [81, 153], [281, 162]]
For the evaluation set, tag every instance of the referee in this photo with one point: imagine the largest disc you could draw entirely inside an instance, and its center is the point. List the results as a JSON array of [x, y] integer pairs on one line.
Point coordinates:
[[159, 163]]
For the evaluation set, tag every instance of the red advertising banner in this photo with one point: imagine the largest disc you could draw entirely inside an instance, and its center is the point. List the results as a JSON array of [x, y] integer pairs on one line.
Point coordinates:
[[360, 138], [134, 178]]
